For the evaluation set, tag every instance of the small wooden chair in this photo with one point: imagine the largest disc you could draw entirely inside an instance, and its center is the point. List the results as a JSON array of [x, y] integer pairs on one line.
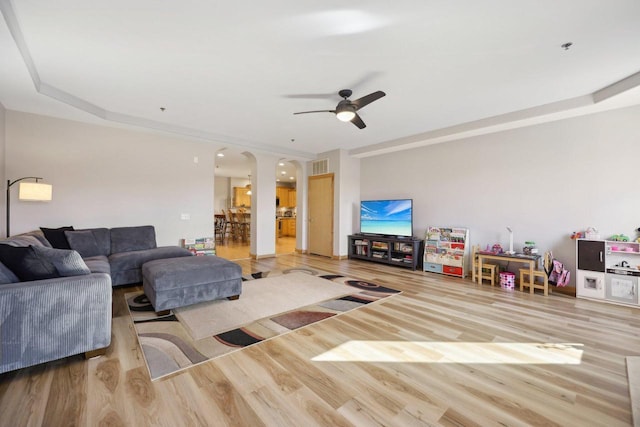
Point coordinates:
[[524, 280], [542, 274], [489, 271]]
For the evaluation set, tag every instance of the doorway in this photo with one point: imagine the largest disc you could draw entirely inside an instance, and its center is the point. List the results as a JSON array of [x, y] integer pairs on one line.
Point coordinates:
[[286, 207], [232, 200], [321, 214]]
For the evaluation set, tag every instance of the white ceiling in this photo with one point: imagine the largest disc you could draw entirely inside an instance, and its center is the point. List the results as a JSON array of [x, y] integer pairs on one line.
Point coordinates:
[[235, 72]]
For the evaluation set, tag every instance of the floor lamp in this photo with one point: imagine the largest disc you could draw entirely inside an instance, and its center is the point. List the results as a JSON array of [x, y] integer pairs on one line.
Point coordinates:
[[33, 191]]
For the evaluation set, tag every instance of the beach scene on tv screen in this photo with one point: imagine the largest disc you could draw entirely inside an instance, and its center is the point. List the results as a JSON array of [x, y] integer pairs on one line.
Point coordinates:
[[391, 217]]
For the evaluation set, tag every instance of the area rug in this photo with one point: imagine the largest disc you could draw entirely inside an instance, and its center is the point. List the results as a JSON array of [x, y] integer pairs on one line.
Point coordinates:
[[272, 303]]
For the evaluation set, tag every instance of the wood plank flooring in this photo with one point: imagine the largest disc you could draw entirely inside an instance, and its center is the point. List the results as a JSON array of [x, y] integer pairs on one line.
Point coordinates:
[[445, 352], [235, 249]]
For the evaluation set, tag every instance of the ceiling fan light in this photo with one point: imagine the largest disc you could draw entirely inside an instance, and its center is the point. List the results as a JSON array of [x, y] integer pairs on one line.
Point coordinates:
[[345, 116]]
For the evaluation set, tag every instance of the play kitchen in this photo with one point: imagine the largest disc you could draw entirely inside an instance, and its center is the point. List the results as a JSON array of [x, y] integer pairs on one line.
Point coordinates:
[[608, 270]]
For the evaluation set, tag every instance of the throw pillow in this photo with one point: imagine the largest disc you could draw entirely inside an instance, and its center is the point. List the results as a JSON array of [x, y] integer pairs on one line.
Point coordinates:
[[66, 261], [56, 236], [26, 264], [84, 242]]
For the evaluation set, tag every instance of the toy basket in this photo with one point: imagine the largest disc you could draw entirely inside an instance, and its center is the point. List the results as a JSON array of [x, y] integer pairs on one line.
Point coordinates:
[[507, 280]]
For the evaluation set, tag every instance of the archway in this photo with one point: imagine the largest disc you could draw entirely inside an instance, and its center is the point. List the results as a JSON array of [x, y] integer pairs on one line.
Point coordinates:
[[288, 223], [232, 198]]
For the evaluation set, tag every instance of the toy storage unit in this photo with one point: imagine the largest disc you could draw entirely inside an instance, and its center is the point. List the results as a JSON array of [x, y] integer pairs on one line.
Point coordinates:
[[446, 250], [608, 271]]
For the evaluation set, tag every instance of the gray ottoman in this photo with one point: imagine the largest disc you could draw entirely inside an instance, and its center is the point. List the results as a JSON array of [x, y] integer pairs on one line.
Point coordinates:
[[178, 282]]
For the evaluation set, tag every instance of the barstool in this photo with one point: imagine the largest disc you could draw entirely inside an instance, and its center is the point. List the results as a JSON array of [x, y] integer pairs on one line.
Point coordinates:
[[244, 224], [220, 224], [229, 226], [235, 226]]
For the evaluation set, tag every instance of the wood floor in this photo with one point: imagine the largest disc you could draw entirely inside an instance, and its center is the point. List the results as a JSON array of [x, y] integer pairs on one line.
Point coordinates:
[[235, 249], [444, 352]]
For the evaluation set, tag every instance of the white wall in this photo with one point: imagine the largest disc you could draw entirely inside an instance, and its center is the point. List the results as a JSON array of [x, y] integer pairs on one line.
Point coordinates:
[[545, 181], [222, 194], [108, 177], [349, 200]]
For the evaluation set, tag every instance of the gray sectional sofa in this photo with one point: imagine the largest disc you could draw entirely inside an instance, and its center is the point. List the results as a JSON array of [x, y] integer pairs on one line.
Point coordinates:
[[64, 308]]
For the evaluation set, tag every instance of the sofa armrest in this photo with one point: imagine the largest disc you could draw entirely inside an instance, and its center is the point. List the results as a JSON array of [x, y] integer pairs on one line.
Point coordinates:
[[50, 319]]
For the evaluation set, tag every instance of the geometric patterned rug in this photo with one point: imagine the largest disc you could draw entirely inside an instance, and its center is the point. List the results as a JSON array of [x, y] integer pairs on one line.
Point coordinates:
[[169, 348]]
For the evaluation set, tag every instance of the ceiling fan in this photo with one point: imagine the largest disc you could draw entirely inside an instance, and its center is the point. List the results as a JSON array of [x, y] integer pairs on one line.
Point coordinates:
[[346, 110]]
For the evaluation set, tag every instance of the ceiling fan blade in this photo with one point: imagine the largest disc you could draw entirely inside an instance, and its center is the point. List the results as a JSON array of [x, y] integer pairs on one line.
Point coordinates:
[[311, 96], [368, 99], [316, 111], [358, 122]]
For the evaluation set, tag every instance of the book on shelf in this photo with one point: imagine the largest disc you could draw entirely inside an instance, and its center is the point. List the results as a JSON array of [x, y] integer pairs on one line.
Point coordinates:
[[202, 246], [361, 250]]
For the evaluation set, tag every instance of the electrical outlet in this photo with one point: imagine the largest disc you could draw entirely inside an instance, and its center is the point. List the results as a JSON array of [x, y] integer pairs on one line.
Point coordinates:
[[185, 216], [195, 159]]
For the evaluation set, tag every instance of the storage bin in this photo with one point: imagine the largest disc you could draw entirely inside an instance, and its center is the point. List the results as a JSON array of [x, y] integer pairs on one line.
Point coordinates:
[[507, 280]]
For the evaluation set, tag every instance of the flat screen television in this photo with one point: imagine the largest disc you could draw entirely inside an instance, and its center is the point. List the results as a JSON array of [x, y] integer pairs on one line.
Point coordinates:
[[387, 217]]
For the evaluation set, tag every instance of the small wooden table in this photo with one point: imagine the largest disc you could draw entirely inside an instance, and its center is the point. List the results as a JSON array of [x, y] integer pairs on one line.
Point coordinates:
[[530, 260]]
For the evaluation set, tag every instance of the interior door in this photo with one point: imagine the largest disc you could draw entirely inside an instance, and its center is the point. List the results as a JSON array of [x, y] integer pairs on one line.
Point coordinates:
[[321, 214]]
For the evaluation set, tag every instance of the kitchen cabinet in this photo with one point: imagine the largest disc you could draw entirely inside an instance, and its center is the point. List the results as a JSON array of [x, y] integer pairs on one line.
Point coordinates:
[[288, 227], [241, 198], [282, 193], [291, 196], [608, 271], [287, 197]]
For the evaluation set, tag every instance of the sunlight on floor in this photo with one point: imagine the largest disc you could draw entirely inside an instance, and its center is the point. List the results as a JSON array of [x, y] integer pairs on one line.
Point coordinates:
[[454, 352]]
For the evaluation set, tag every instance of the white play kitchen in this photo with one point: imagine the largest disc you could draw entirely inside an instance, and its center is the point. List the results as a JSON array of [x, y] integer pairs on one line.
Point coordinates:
[[608, 271]]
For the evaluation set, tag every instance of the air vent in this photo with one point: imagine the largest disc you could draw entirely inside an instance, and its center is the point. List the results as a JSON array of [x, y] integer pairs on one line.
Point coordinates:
[[320, 167]]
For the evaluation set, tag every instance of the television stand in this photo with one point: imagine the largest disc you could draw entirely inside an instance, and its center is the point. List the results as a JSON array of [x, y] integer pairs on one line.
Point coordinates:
[[399, 251]]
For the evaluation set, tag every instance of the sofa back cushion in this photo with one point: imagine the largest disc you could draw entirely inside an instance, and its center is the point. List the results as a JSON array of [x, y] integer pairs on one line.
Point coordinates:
[[90, 242], [27, 239], [127, 239]]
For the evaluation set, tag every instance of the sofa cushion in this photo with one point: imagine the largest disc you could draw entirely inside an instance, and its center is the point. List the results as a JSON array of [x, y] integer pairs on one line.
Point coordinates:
[[66, 261], [56, 236], [84, 242], [25, 263], [98, 264], [7, 276], [127, 239]]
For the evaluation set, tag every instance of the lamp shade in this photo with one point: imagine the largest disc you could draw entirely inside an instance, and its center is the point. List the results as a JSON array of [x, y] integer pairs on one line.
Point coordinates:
[[35, 191]]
